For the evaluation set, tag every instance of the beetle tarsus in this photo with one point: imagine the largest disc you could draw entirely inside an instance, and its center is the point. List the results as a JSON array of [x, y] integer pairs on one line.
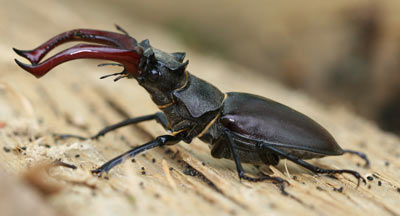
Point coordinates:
[[276, 180], [58, 162], [67, 136], [359, 154], [352, 172], [99, 172], [105, 168], [262, 178]]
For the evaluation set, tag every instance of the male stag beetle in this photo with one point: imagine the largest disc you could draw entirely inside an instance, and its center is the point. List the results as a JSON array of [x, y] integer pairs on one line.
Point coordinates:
[[238, 126]]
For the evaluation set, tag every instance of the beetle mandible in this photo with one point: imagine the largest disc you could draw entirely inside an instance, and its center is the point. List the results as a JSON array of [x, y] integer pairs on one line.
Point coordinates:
[[238, 126]]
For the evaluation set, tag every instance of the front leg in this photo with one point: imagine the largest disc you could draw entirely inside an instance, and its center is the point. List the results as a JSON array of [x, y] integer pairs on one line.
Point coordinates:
[[159, 117], [159, 141]]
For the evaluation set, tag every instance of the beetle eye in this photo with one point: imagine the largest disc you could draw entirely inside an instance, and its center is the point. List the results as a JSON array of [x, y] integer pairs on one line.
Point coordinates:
[[154, 75]]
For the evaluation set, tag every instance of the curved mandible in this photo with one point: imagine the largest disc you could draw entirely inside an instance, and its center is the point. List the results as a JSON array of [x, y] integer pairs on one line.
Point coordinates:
[[128, 58], [88, 35]]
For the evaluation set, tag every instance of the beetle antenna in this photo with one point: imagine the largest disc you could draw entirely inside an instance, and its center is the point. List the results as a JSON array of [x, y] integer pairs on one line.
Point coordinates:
[[120, 77], [109, 64], [113, 74]]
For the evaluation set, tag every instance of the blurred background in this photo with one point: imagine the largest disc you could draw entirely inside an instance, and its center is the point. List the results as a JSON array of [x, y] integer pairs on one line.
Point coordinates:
[[340, 52]]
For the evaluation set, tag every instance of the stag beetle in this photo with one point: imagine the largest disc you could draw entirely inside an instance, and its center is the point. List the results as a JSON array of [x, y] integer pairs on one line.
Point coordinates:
[[238, 126]]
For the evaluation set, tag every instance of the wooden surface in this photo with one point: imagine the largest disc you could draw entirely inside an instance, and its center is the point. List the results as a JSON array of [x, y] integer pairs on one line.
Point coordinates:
[[72, 99]]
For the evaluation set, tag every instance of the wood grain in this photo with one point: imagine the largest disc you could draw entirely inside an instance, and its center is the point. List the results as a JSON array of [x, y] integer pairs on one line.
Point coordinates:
[[72, 99]]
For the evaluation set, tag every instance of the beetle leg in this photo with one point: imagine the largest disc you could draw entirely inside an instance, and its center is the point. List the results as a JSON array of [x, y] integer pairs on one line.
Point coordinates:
[[159, 141], [312, 167], [159, 117], [359, 154], [241, 171], [126, 57], [87, 35]]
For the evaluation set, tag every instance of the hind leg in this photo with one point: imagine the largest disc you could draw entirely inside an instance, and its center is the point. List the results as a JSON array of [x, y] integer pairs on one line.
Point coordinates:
[[359, 154], [310, 166]]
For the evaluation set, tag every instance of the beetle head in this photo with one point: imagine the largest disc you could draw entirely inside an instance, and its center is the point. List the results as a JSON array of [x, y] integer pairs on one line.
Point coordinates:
[[161, 72], [157, 71]]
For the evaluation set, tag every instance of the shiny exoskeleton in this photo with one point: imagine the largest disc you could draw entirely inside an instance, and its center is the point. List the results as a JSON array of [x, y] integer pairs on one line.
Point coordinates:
[[237, 126]]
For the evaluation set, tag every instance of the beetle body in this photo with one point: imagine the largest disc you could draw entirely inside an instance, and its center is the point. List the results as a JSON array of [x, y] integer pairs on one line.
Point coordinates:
[[254, 119], [194, 105], [237, 126]]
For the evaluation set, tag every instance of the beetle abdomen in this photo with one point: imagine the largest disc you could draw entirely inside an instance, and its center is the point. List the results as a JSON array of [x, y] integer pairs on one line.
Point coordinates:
[[262, 119], [245, 149]]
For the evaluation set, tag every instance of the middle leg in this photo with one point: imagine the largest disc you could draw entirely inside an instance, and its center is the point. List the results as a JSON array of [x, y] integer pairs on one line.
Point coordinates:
[[241, 171]]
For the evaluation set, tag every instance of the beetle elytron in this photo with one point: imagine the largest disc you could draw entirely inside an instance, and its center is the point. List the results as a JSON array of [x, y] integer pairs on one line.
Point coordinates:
[[237, 126]]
